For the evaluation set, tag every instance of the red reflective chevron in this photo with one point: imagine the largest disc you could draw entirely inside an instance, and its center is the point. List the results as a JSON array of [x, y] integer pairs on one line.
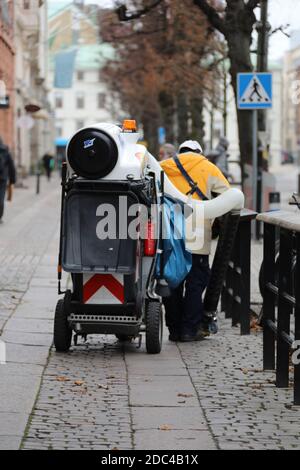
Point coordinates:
[[103, 280]]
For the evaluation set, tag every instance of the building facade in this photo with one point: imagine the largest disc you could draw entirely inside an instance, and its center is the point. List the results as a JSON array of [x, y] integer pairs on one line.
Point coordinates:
[[291, 110], [79, 95], [7, 66], [34, 124]]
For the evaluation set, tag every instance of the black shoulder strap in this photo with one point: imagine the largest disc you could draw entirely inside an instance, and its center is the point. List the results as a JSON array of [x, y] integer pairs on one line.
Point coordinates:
[[194, 187]]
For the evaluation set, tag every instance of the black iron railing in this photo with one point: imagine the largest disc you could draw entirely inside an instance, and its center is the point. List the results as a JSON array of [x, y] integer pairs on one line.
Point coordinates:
[[235, 299], [281, 296]]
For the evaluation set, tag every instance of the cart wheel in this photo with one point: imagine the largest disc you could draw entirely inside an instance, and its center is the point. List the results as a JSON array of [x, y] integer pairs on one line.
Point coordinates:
[[154, 327], [62, 331]]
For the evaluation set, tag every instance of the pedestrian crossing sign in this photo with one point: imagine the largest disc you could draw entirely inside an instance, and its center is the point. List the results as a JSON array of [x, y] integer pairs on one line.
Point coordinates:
[[255, 90]]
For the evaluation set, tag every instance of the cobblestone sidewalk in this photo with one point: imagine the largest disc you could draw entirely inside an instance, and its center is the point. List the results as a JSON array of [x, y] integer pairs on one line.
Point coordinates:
[[243, 408], [30, 223], [88, 400], [105, 395], [28, 251]]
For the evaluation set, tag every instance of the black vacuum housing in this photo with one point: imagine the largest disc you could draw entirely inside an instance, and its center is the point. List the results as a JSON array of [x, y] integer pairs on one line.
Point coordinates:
[[92, 153]]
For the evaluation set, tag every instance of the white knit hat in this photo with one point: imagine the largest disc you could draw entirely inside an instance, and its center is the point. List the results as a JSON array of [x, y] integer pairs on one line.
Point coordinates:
[[192, 145]]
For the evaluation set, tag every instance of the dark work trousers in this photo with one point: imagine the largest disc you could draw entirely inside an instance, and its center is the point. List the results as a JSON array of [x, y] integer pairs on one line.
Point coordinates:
[[3, 186], [184, 309]]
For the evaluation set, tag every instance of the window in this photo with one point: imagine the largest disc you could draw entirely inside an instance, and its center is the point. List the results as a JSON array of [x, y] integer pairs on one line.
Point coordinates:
[[217, 134], [5, 12], [59, 100], [59, 129], [101, 100], [80, 100], [79, 125], [80, 75]]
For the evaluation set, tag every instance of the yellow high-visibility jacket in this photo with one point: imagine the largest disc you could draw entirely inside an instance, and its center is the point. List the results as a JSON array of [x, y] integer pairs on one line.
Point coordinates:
[[207, 176]]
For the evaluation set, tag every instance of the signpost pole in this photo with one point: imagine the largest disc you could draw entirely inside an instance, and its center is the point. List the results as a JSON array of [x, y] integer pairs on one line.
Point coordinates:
[[254, 166], [254, 159], [255, 93]]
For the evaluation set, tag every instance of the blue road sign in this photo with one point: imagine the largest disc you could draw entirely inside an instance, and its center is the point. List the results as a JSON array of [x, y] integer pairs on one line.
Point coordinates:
[[161, 135], [255, 90]]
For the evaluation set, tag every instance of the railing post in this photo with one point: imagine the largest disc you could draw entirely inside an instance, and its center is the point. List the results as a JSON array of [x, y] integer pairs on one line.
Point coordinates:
[[229, 294], [269, 298], [297, 321], [244, 247], [285, 309], [286, 290], [236, 298], [236, 281], [224, 298]]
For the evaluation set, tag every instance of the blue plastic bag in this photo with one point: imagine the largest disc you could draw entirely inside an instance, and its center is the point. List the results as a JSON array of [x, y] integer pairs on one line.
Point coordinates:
[[177, 261]]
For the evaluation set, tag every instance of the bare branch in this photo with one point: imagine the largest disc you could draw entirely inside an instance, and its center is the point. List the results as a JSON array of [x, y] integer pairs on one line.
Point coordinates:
[[124, 16], [281, 29], [212, 15], [118, 37]]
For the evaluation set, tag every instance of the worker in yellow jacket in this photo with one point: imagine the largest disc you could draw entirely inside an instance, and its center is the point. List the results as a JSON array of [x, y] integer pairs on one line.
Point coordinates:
[[184, 309]]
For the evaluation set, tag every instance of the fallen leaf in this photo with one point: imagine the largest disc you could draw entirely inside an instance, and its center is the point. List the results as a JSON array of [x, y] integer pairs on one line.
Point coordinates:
[[79, 382], [245, 371], [185, 395], [165, 427], [62, 379]]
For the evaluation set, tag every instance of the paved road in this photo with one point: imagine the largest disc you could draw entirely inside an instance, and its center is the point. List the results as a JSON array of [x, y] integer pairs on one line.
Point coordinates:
[[105, 395]]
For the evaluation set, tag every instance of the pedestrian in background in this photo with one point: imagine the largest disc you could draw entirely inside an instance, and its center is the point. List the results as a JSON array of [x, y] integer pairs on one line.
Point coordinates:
[[166, 151], [7, 175], [48, 162]]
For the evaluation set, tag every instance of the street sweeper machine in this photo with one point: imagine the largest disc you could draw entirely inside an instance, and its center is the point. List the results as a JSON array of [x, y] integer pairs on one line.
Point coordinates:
[[112, 238]]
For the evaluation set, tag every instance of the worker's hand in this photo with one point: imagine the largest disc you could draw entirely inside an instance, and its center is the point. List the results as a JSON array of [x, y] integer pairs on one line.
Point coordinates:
[[9, 192]]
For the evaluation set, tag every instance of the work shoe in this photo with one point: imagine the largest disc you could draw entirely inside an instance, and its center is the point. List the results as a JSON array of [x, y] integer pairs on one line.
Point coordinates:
[[204, 330], [210, 323], [190, 338]]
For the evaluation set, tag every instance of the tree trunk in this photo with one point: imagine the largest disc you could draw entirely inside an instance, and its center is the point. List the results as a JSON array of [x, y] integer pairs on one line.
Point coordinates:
[[198, 124], [166, 102], [239, 27], [150, 125], [182, 118]]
